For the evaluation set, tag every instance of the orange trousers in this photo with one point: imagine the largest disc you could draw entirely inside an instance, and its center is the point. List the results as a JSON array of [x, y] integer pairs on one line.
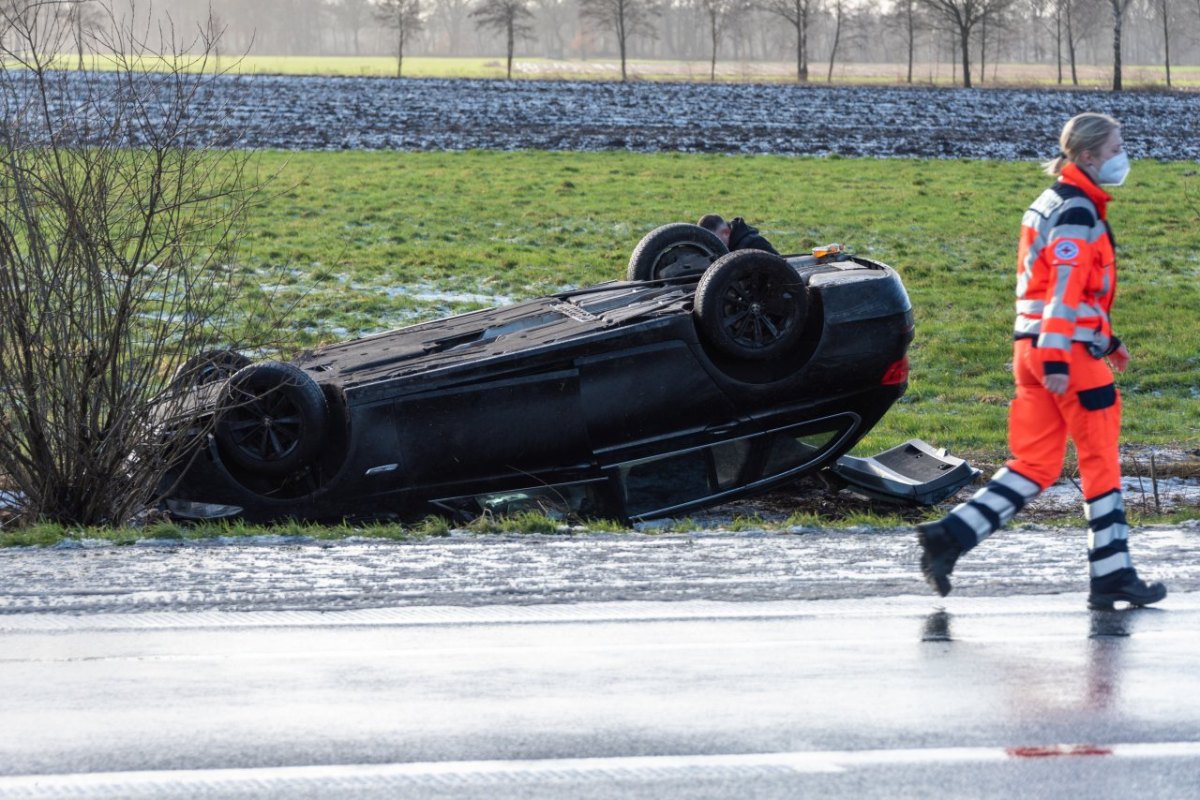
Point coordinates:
[[1040, 422]]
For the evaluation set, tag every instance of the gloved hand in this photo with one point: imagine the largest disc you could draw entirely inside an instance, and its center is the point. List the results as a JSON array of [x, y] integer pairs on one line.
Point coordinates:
[[1119, 358], [1056, 383]]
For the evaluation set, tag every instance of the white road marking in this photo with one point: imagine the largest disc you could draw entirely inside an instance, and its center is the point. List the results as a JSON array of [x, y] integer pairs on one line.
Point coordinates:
[[133, 784]]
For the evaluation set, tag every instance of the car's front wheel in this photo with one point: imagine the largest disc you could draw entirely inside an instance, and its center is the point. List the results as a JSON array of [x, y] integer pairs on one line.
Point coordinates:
[[677, 250], [751, 305], [272, 419]]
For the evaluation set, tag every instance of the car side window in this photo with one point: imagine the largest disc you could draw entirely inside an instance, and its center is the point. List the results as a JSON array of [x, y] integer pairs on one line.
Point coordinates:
[[682, 478]]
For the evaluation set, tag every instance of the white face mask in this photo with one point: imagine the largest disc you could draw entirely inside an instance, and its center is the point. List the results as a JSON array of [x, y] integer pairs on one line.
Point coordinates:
[[1114, 171]]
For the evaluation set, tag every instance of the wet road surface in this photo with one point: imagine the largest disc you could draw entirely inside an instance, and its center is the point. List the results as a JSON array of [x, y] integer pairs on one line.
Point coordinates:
[[810, 564], [877, 697], [711, 664]]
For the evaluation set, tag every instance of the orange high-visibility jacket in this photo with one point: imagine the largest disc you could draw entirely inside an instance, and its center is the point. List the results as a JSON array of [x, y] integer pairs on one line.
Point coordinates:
[[1066, 272]]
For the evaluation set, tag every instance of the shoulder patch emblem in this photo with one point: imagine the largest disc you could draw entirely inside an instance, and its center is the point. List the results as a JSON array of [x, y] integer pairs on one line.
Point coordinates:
[[1066, 250]]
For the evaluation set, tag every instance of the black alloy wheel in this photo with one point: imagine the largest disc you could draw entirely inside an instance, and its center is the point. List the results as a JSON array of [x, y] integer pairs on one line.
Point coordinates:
[[751, 305], [272, 418]]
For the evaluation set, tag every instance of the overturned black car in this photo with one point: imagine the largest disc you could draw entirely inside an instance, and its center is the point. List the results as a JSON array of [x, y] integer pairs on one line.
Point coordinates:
[[705, 376]]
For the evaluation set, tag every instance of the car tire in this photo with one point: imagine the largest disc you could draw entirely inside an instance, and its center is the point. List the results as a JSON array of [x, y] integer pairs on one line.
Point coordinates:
[[207, 367], [678, 250], [751, 305], [272, 419]]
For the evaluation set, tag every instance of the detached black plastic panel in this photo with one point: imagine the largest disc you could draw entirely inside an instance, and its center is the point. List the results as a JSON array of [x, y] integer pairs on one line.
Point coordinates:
[[914, 472]]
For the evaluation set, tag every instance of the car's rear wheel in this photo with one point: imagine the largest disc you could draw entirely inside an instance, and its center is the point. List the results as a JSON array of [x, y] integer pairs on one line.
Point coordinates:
[[751, 305], [675, 251], [272, 419], [207, 367]]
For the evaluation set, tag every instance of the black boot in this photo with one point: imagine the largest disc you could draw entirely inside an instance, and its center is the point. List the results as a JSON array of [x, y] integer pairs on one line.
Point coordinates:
[[1123, 585], [939, 552]]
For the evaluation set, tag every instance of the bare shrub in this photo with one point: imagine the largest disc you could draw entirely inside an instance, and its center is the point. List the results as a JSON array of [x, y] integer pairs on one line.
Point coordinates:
[[119, 222]]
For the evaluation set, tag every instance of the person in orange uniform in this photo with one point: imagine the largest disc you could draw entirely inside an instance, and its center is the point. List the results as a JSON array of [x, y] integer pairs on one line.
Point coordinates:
[[1063, 348]]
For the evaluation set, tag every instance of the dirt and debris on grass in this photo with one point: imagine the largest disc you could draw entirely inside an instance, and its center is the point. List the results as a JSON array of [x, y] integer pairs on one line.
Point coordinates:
[[1156, 481]]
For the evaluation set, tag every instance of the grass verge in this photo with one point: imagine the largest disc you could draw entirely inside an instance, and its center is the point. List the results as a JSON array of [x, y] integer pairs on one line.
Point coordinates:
[[47, 535]]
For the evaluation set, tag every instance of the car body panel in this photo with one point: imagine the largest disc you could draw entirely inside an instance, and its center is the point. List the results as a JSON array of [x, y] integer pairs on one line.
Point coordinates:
[[608, 393]]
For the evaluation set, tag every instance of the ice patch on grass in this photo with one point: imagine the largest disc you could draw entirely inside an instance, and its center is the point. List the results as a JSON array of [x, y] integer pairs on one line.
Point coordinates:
[[1173, 494], [427, 293], [463, 297]]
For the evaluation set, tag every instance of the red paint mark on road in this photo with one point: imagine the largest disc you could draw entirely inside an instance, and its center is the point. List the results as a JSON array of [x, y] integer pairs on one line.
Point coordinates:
[[1054, 751]]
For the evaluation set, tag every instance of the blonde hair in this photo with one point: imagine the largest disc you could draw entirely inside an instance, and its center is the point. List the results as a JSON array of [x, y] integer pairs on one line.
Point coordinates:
[[1083, 132]]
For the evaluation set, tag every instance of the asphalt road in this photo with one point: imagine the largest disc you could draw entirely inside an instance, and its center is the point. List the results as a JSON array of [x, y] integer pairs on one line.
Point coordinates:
[[878, 697]]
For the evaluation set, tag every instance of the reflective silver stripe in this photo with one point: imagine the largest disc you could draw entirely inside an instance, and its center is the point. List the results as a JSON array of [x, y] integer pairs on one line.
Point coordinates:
[[1000, 505], [1022, 281], [1026, 326], [1059, 310], [1107, 566], [997, 502], [1088, 310], [1105, 505], [1060, 284], [1098, 539], [1030, 306], [1018, 483], [1031, 326], [975, 521], [1054, 341], [1081, 232], [1032, 219]]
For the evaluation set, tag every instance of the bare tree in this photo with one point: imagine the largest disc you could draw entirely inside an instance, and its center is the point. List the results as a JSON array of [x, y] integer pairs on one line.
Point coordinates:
[[118, 231], [839, 14], [510, 17], [625, 18], [1079, 19], [1119, 7], [1164, 13], [963, 17], [798, 13], [405, 18], [82, 17], [716, 11], [1059, 14], [989, 23], [910, 26], [214, 29]]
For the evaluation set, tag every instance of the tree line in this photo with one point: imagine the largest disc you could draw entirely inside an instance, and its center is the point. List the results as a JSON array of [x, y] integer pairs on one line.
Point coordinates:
[[969, 37]]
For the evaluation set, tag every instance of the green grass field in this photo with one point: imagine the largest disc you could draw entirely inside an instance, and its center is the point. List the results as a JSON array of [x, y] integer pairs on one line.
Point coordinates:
[[940, 74], [375, 240]]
